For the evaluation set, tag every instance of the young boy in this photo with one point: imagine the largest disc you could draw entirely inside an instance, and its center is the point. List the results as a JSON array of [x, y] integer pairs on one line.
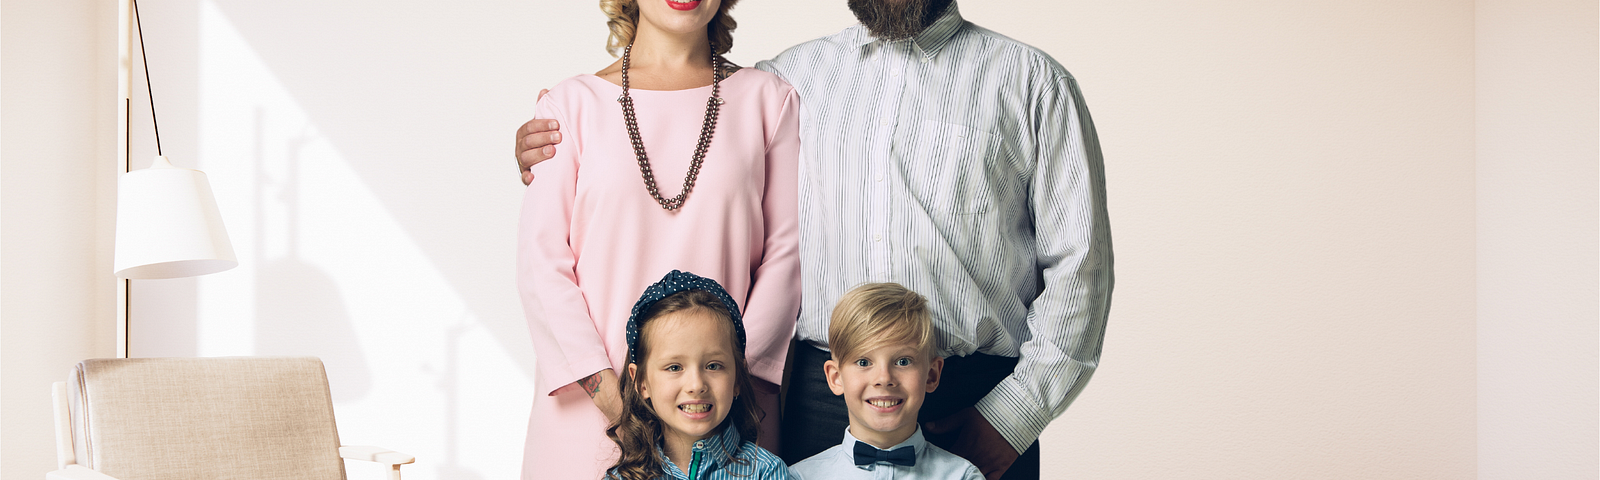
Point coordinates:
[[883, 364]]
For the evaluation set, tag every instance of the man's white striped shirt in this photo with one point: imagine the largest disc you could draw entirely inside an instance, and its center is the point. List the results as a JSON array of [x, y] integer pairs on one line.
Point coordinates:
[[963, 165]]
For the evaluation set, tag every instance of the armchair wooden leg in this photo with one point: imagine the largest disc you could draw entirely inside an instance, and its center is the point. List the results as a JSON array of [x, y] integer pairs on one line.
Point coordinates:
[[394, 472]]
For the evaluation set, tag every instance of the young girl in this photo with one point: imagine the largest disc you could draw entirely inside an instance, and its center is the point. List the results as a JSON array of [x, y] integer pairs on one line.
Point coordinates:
[[686, 409]]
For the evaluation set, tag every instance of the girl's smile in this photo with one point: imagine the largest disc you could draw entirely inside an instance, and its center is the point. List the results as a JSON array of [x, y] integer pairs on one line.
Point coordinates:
[[688, 377], [695, 410]]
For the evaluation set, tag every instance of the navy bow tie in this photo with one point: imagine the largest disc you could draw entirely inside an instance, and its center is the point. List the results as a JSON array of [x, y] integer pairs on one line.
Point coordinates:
[[868, 454]]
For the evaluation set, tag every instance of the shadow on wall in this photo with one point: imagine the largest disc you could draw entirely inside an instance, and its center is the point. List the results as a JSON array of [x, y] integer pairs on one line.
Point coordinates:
[[299, 308], [418, 117], [449, 382], [369, 247], [299, 311]]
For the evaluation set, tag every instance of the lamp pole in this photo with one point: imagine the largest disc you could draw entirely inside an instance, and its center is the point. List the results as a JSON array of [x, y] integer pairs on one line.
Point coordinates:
[[124, 95]]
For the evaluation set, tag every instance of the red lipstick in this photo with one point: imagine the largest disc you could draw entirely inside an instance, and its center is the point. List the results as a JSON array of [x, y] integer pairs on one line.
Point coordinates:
[[683, 6]]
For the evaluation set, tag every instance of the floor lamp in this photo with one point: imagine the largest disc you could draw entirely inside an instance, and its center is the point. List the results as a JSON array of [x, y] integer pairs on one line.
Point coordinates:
[[168, 225]]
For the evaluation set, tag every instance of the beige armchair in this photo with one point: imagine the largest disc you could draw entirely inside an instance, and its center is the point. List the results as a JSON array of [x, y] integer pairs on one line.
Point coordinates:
[[241, 418]]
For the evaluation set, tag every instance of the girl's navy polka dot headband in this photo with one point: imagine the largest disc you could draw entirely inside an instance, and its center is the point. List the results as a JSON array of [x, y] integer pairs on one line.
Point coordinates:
[[676, 282]]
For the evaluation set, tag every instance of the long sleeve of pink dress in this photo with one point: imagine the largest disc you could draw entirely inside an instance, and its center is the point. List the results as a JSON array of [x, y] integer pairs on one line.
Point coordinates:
[[592, 239]]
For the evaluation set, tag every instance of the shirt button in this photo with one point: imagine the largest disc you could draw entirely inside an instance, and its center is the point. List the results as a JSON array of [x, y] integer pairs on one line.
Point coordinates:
[[877, 238], [883, 122], [880, 178]]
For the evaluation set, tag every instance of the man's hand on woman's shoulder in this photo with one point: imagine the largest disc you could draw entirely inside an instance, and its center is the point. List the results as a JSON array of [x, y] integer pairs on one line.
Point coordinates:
[[536, 142]]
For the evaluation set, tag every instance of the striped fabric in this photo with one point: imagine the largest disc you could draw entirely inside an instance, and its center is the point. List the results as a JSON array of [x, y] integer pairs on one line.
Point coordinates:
[[963, 165], [725, 456]]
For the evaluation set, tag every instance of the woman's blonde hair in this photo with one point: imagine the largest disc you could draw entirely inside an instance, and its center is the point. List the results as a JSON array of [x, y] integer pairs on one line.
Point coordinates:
[[622, 17]]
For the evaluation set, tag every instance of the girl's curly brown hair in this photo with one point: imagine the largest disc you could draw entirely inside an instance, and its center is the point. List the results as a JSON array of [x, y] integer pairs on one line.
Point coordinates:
[[638, 431], [622, 17]]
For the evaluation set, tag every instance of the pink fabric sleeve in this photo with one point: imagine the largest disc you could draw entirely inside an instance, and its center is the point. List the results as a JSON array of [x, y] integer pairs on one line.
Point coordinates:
[[564, 335], [774, 300]]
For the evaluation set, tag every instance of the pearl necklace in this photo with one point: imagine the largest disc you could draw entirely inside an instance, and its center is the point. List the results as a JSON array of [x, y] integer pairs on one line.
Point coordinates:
[[713, 106]]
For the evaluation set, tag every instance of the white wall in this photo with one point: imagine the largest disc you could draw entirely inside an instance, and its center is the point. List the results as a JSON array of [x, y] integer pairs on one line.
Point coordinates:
[[1297, 189], [57, 192], [1538, 291], [1291, 194], [358, 154]]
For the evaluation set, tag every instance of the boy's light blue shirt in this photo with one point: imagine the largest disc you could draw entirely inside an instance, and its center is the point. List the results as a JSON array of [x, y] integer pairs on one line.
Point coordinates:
[[933, 463]]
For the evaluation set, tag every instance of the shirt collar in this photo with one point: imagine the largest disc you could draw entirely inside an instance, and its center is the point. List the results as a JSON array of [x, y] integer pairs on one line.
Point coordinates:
[[916, 441], [931, 40], [720, 449]]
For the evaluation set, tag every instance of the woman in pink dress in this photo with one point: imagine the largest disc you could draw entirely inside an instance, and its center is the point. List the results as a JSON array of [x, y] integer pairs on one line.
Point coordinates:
[[672, 158]]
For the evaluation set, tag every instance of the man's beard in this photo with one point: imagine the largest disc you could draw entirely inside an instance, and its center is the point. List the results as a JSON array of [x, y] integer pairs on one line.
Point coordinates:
[[897, 20]]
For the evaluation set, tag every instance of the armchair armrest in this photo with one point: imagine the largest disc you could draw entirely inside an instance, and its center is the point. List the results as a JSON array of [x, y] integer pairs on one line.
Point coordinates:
[[375, 454], [77, 472], [378, 455]]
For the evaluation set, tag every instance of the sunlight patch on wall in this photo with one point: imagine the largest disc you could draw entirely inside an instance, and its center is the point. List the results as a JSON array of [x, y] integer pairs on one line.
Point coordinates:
[[326, 270]]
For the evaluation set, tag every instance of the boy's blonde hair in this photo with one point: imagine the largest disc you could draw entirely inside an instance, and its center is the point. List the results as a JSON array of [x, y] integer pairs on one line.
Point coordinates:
[[874, 315]]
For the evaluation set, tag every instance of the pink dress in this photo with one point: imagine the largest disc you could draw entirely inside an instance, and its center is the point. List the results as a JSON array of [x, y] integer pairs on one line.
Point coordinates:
[[592, 239]]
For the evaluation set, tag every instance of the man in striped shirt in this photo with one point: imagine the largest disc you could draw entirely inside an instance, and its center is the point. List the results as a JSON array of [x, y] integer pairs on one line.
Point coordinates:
[[963, 165]]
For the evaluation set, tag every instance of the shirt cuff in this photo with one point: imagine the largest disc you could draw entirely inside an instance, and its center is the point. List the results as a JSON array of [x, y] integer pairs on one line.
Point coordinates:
[[1009, 409], [769, 371]]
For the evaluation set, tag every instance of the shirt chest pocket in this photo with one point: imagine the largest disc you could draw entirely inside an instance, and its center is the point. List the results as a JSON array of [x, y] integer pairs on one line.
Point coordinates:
[[952, 168]]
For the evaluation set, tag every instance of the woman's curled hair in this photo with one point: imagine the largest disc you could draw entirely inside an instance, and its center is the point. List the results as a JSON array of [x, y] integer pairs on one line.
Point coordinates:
[[622, 17]]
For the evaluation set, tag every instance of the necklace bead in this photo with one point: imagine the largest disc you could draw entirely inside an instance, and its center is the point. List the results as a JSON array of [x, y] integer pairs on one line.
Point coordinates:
[[713, 107]]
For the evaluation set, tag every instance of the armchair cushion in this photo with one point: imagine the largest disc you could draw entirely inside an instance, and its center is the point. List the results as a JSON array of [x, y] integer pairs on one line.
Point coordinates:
[[206, 418]]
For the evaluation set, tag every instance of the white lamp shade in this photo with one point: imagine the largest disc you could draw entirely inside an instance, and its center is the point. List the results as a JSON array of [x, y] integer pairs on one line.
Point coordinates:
[[168, 225]]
